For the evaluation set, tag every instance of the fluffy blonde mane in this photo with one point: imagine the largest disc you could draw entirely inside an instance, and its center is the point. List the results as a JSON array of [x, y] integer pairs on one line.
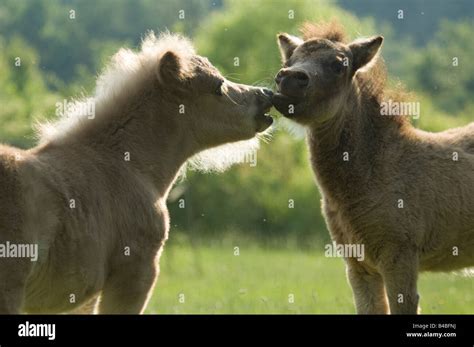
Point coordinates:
[[126, 71]]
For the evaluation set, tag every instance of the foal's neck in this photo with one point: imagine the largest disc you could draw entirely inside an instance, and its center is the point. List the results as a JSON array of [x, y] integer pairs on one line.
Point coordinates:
[[343, 149], [143, 133], [159, 147]]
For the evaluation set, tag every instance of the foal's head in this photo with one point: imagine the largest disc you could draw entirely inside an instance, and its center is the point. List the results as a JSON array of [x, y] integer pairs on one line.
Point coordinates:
[[317, 74], [213, 109]]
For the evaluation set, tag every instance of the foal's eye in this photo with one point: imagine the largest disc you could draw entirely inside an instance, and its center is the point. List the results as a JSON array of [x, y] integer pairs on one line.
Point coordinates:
[[219, 89], [337, 66]]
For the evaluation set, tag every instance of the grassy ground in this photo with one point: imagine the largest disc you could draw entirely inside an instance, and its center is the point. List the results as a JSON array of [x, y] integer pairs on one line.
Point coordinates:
[[214, 280]]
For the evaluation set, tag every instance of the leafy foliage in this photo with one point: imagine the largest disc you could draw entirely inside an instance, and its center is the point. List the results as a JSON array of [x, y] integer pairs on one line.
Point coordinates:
[[23, 93], [445, 68]]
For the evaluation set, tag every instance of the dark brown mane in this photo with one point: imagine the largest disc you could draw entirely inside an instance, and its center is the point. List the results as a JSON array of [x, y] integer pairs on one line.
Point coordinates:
[[332, 31], [373, 85]]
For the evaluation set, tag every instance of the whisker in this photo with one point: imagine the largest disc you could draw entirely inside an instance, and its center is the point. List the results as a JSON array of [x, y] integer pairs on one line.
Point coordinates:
[[225, 93], [232, 76]]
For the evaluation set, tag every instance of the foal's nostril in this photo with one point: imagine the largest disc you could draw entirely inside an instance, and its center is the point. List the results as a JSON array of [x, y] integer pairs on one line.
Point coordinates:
[[279, 76], [292, 79], [301, 78]]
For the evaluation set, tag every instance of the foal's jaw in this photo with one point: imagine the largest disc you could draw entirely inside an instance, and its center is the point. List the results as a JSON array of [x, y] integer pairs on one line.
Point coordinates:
[[259, 107], [263, 123], [262, 118], [288, 106], [254, 118]]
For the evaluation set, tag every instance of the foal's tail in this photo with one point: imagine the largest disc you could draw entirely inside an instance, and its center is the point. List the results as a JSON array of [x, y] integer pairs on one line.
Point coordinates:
[[9, 182], [13, 271], [10, 192], [9, 185]]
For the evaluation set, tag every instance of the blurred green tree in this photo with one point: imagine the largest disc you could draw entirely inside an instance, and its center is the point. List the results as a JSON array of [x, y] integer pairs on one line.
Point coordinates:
[[23, 93], [445, 70], [69, 35]]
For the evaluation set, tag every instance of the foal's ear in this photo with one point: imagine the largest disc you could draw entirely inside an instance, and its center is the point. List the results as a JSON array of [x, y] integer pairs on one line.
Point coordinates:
[[170, 68], [288, 44], [364, 51]]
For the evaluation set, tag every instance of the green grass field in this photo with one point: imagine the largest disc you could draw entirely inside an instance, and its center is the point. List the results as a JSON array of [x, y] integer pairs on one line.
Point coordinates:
[[214, 280]]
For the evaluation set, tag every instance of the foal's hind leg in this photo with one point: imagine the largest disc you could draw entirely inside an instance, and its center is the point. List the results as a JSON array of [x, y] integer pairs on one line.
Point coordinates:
[[368, 289], [128, 289], [13, 276], [88, 308]]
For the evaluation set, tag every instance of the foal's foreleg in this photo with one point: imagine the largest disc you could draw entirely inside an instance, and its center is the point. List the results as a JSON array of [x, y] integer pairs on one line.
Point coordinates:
[[400, 275], [129, 289], [88, 308], [368, 289]]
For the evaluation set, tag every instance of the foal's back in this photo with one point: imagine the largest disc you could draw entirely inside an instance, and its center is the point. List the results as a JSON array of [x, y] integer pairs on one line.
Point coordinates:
[[442, 183]]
